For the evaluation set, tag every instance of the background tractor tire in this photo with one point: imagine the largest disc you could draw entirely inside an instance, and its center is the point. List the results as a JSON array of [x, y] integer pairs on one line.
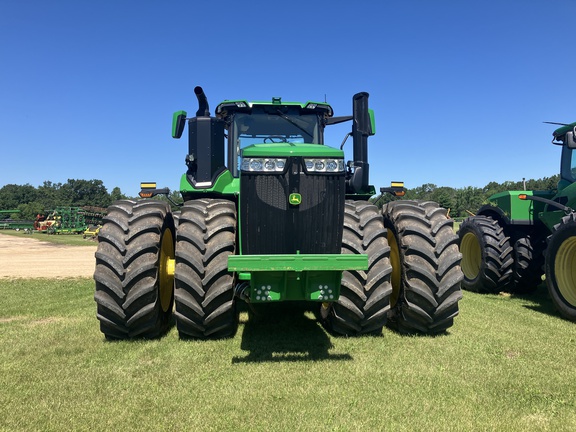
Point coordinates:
[[204, 294], [527, 270], [487, 256], [561, 267], [364, 295], [134, 281], [426, 267]]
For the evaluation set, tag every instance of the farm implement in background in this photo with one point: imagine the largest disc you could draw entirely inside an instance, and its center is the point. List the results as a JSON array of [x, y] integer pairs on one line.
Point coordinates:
[[70, 220], [521, 235], [7, 222]]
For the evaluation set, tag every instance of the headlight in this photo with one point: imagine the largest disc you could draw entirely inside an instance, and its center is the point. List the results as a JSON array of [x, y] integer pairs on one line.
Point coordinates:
[[263, 164], [324, 165], [256, 165]]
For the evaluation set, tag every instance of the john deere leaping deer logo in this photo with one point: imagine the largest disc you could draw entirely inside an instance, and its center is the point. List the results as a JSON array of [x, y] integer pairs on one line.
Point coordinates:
[[295, 199]]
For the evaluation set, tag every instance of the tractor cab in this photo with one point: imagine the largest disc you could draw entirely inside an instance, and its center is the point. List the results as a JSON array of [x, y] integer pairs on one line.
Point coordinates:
[[275, 122], [564, 136], [264, 137]]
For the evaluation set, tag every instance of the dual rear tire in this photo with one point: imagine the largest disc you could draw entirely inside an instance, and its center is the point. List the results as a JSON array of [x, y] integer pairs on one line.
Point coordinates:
[[143, 269], [134, 280], [495, 258], [494, 262], [426, 273], [414, 276]]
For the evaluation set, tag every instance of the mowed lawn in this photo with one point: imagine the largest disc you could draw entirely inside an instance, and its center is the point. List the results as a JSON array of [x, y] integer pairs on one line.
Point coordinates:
[[506, 365]]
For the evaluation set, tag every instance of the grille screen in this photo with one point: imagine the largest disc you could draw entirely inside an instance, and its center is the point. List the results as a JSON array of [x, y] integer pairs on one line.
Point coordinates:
[[271, 225]]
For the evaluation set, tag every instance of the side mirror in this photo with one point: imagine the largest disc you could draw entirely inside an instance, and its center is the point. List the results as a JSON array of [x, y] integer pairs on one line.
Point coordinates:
[[361, 114], [178, 123], [569, 139], [372, 122]]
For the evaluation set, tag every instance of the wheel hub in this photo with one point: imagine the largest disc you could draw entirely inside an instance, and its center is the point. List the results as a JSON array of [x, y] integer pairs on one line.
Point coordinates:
[[565, 270], [471, 256], [396, 267], [166, 269]]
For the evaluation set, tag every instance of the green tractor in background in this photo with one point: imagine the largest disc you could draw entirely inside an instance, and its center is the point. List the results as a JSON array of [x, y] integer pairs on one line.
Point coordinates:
[[271, 214], [520, 235]]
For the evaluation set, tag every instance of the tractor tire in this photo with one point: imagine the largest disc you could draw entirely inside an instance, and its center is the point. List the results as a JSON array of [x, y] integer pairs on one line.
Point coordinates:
[[426, 273], [487, 256], [561, 267], [528, 264], [204, 294], [134, 281], [362, 307]]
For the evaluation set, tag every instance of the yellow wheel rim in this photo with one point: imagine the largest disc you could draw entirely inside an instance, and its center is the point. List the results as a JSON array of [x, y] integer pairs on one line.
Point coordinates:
[[166, 269], [471, 256], [396, 268], [565, 270]]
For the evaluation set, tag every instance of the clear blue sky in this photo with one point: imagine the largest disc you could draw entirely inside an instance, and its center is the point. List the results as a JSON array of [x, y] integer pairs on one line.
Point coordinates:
[[460, 88]]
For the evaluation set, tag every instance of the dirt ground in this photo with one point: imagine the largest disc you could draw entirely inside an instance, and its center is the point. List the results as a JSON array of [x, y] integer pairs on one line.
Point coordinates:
[[30, 258]]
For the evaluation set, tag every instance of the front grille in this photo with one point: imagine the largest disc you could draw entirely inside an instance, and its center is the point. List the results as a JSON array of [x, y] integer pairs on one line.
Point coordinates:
[[271, 225]]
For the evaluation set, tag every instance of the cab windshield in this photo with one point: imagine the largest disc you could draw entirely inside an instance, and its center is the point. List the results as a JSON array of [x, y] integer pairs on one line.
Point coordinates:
[[272, 124]]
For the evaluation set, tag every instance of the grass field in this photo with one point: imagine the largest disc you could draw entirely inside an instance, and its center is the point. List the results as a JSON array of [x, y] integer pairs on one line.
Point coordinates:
[[506, 365]]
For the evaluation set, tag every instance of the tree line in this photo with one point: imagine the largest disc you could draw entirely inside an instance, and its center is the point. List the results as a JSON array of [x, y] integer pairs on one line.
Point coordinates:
[[30, 200]]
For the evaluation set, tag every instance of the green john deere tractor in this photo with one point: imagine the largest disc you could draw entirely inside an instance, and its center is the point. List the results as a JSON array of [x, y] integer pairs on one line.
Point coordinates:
[[271, 214], [520, 235]]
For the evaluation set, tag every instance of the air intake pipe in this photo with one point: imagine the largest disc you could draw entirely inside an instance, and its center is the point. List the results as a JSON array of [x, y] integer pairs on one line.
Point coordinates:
[[203, 108], [205, 158]]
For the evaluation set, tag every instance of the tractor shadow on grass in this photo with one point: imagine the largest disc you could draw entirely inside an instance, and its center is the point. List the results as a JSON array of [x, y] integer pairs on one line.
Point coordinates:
[[285, 333], [541, 301]]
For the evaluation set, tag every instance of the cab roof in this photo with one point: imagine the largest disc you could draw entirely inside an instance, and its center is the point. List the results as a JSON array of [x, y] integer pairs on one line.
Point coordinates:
[[228, 106]]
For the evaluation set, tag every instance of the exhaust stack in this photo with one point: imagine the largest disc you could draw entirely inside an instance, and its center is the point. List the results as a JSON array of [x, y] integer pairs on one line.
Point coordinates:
[[203, 108], [361, 130]]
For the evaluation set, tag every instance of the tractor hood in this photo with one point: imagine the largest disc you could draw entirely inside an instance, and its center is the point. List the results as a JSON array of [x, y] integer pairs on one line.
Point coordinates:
[[291, 149]]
